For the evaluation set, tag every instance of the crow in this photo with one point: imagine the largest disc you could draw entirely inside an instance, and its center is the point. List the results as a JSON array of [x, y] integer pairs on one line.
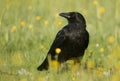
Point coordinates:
[[72, 40]]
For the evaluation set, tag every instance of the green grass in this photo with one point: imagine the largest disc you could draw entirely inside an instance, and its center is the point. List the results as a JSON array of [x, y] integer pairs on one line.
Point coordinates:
[[25, 41]]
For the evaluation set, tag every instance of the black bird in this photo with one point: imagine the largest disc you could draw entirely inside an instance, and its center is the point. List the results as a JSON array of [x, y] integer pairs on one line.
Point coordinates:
[[72, 39]]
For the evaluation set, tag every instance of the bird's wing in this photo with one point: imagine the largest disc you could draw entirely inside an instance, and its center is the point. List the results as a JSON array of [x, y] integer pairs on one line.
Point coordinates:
[[59, 39], [84, 39]]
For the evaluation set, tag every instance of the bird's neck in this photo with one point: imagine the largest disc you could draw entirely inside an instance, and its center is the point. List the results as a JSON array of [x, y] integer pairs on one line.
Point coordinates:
[[78, 23]]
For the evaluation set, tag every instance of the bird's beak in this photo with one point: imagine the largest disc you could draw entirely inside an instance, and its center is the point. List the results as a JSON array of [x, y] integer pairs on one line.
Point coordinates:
[[66, 15]]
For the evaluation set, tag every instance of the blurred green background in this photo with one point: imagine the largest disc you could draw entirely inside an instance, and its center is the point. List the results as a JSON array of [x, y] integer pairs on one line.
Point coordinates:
[[28, 27]]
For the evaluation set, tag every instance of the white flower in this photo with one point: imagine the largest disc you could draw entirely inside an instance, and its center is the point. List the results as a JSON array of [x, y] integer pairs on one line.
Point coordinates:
[[23, 71], [106, 73], [97, 45]]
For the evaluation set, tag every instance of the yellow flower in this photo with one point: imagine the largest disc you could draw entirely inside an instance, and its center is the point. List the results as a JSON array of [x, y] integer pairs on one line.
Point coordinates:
[[102, 50], [84, 11], [22, 23], [90, 64], [115, 78], [30, 7], [75, 60], [57, 50], [117, 66], [17, 58], [0, 23], [55, 64], [42, 47], [46, 22], [115, 53], [101, 10], [95, 2], [99, 71], [23, 79], [13, 29], [56, 15], [38, 18], [59, 23], [73, 64], [41, 79], [30, 27], [111, 39], [73, 78]]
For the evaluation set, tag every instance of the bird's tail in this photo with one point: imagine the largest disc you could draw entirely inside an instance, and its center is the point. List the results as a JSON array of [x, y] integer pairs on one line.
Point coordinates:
[[44, 65]]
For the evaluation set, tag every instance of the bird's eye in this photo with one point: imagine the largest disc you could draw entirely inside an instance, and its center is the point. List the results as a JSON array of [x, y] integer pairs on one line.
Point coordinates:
[[69, 16], [72, 15]]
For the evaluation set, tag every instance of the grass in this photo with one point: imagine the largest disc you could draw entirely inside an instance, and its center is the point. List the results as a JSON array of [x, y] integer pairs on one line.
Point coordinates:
[[28, 27]]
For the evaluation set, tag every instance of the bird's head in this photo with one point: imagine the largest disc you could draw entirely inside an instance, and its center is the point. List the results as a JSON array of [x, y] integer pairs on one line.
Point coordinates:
[[73, 17]]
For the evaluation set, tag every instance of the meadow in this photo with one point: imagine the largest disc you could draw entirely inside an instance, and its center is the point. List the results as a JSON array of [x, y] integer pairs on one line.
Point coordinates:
[[28, 27]]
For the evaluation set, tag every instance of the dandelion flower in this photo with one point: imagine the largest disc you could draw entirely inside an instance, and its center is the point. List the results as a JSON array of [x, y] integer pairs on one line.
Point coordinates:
[[59, 23], [99, 71], [30, 27], [84, 11], [56, 15], [22, 23], [13, 29], [75, 60], [30, 7], [90, 64], [57, 50], [115, 78], [101, 10], [46, 22], [73, 78], [101, 49], [115, 53], [38, 18], [111, 39], [117, 66], [54, 63], [42, 47], [0, 23], [95, 2]]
